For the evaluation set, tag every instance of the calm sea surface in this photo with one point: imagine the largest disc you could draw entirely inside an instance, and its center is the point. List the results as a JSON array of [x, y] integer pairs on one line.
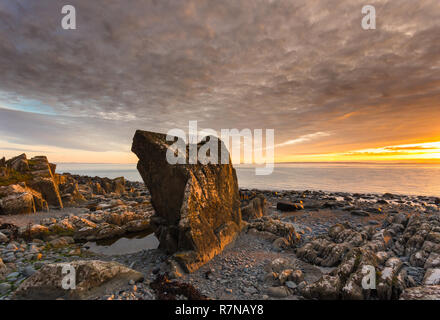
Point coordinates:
[[362, 178]]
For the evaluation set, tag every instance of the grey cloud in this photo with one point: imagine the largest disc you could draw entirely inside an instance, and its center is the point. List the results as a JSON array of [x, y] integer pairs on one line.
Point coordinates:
[[296, 66]]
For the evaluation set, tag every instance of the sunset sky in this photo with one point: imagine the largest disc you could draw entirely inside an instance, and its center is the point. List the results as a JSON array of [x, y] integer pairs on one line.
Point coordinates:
[[331, 90]]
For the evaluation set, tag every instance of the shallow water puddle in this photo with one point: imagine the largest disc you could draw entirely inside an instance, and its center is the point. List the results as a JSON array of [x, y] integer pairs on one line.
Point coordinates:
[[128, 244]]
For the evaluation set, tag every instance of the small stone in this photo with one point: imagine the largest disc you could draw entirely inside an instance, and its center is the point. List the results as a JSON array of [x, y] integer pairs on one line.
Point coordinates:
[[12, 247], [10, 257], [278, 292], [12, 276], [3, 238], [4, 288], [297, 276], [250, 290], [302, 285], [291, 285], [28, 271], [360, 213]]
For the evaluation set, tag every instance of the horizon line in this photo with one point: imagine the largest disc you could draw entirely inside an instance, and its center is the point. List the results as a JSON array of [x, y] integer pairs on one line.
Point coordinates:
[[433, 161]]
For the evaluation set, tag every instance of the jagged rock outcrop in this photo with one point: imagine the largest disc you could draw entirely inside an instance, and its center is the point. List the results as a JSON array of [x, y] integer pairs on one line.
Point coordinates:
[[18, 199], [405, 243], [274, 229], [42, 180], [94, 278], [28, 185], [15, 199], [197, 205], [100, 186], [253, 207], [69, 190]]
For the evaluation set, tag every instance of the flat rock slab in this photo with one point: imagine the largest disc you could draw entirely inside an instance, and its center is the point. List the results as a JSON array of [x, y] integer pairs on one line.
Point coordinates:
[[94, 278]]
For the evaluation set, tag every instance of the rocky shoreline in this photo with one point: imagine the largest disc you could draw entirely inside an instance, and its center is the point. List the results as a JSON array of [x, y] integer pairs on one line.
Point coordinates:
[[263, 262], [291, 244]]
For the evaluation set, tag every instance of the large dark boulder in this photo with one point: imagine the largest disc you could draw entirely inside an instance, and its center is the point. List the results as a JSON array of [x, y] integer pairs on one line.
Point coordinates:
[[197, 205]]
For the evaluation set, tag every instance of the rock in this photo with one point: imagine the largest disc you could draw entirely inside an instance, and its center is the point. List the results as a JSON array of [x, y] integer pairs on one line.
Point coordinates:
[[360, 213], [250, 290], [28, 271], [254, 209], [12, 276], [5, 288], [291, 285], [278, 292], [3, 238], [121, 218], [432, 277], [289, 206], [174, 269], [276, 228], [270, 278], [69, 190], [100, 186], [388, 286], [35, 231], [281, 243], [326, 288], [108, 231], [433, 260], [43, 181], [323, 252], [197, 205], [61, 242], [278, 265], [3, 269], [15, 199], [93, 279], [137, 225], [18, 163], [296, 276], [37, 177], [284, 276], [421, 293], [62, 227]]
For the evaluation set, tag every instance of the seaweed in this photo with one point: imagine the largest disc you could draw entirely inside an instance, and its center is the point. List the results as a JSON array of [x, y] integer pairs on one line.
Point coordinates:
[[168, 290]]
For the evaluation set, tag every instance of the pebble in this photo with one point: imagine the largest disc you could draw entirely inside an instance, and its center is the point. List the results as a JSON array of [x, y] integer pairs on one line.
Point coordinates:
[[4, 288], [3, 238], [28, 271], [291, 285]]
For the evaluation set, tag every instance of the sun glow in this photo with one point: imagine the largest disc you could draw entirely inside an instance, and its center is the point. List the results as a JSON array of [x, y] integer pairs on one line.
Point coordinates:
[[428, 152]]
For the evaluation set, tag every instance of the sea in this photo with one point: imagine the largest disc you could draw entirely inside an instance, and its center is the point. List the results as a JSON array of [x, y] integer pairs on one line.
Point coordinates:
[[375, 178]]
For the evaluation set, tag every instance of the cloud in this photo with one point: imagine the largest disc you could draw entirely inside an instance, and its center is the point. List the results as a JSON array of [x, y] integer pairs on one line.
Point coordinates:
[[303, 139], [299, 67]]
